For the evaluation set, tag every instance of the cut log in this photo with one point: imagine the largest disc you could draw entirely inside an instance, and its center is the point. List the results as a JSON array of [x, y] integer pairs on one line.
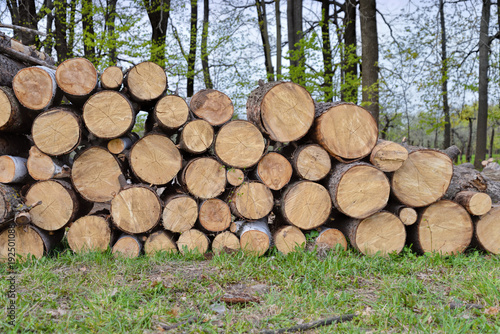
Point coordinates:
[[15, 145], [213, 106], [381, 233], [423, 179], [193, 241], [171, 112], [388, 156], [59, 205], [311, 162], [235, 176], [95, 174], [77, 78], [196, 137], [282, 110], [444, 227], [180, 213], [128, 246], [28, 241], [487, 231], [112, 78], [214, 215], [43, 167], [252, 200], [122, 144], [109, 114], [36, 88], [407, 215], [239, 144], [12, 117], [13, 169], [255, 236], [331, 238], [155, 160], [204, 178], [146, 81], [289, 239], [358, 189], [306, 205], [159, 241], [225, 242], [10, 200], [57, 131], [136, 209], [475, 203], [8, 70], [348, 132], [89, 234], [274, 170], [465, 179]]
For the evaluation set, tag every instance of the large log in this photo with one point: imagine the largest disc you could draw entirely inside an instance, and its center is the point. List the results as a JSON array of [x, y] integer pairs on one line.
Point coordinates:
[[146, 82], [57, 131], [358, 189], [226, 241], [77, 78], [213, 106], [171, 112], [289, 239], [95, 174], [109, 114], [112, 78], [423, 178], [180, 213], [36, 88], [311, 162], [128, 246], [282, 110], [475, 203], [12, 117], [214, 215], [43, 167], [196, 137], [89, 234], [274, 170], [487, 231], [388, 156], [154, 159], [193, 241], [252, 200], [255, 236], [444, 227], [13, 169], [348, 132], [306, 204], [204, 178], [239, 144], [159, 241], [14, 144]]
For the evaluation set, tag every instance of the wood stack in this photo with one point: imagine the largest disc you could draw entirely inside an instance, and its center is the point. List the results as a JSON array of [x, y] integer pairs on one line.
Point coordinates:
[[198, 179]]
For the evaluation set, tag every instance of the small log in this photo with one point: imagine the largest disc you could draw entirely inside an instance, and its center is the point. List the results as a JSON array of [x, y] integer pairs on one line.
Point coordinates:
[[239, 144], [136, 209], [204, 178], [331, 238], [311, 162], [475, 203], [487, 231], [235, 176], [388, 156], [57, 131], [112, 78], [122, 144], [12, 117], [282, 110], [444, 227], [213, 106], [109, 114], [95, 174], [13, 169], [274, 170], [154, 159], [146, 82], [77, 78], [128, 246], [43, 167], [160, 241], [214, 215], [171, 112], [36, 88], [358, 189], [252, 200], [193, 241], [381, 233], [255, 236], [407, 215], [289, 239], [89, 233], [180, 213], [14, 144], [196, 137], [465, 179], [348, 132], [423, 179], [306, 205], [10, 201], [22, 218], [225, 242]]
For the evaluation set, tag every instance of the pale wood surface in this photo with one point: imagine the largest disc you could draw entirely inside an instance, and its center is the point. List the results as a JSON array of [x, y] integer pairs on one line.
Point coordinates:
[[196, 137], [288, 239], [112, 78], [214, 215], [251, 200], [193, 240], [89, 233], [12, 117], [311, 162], [35, 87], [255, 236], [213, 106], [330, 238], [27, 240], [180, 213], [171, 112], [388, 156], [235, 176], [77, 77], [159, 241], [406, 214], [475, 203], [128, 246], [225, 241], [13, 169], [146, 81], [274, 170], [43, 167], [487, 231], [204, 178]]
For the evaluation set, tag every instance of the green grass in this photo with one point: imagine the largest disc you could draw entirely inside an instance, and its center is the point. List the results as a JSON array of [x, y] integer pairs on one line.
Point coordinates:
[[67, 292]]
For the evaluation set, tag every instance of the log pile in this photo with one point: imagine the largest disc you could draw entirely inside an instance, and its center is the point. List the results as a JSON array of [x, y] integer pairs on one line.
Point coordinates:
[[199, 180]]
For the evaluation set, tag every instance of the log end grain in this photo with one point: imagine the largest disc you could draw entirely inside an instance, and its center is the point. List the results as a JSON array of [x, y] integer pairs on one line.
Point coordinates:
[[388, 156], [28, 243], [289, 239], [251, 200], [193, 241], [197, 136], [12, 169], [235, 176], [180, 213], [475, 203], [312, 162], [331, 238], [89, 233], [214, 215], [146, 81], [76, 77], [213, 106], [204, 178], [254, 242], [408, 216], [34, 88], [112, 78], [225, 242], [487, 231], [159, 241], [274, 170], [171, 112], [127, 246]]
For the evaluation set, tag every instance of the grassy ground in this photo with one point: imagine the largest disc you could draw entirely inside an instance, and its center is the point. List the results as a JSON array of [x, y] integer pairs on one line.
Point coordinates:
[[404, 293]]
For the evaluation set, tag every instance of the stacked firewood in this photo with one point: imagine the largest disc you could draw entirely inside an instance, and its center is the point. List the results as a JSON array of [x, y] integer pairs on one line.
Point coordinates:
[[199, 179]]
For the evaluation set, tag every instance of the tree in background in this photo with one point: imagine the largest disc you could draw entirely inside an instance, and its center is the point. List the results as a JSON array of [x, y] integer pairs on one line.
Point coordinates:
[[191, 59], [204, 49], [158, 13], [295, 35]]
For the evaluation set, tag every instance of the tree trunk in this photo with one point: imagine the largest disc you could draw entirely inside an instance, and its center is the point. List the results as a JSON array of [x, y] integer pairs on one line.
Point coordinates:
[[122, 144], [255, 236], [23, 13], [289, 239], [278, 39], [311, 162], [88, 30], [388, 156], [110, 28], [264, 34], [225, 242], [89, 233], [192, 48], [180, 213], [61, 29], [274, 170], [12, 117], [158, 13], [295, 35], [8, 70], [214, 215], [468, 153], [487, 231], [444, 77], [171, 112], [193, 241], [159, 241], [112, 78], [146, 88], [326, 50], [196, 137], [349, 93], [252, 200], [204, 178], [38, 79], [204, 48], [43, 167]]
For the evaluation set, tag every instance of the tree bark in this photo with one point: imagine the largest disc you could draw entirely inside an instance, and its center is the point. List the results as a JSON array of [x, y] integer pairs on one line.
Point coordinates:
[[264, 34], [349, 91], [295, 35], [12, 117], [326, 50], [204, 47], [88, 30], [110, 28], [158, 13], [278, 39], [444, 77], [255, 236], [487, 231], [128, 246], [192, 48], [61, 29]]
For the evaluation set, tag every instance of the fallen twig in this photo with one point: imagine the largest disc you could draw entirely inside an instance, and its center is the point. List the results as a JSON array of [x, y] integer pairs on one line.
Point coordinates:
[[174, 326], [311, 325]]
